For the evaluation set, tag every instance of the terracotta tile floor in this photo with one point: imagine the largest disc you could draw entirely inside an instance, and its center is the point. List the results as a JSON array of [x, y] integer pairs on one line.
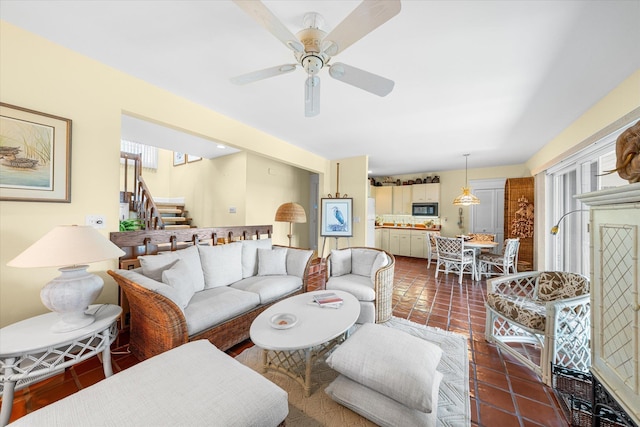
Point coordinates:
[[503, 392]]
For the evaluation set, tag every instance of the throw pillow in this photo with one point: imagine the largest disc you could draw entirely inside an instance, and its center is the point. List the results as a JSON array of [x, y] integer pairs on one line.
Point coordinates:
[[340, 262], [380, 261], [221, 264], [154, 265], [362, 260], [178, 278], [191, 257], [297, 261], [250, 255], [272, 262], [391, 362]]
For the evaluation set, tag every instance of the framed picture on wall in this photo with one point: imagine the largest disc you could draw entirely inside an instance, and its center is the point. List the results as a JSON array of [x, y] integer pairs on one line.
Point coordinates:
[[337, 217], [191, 158], [179, 158], [35, 156]]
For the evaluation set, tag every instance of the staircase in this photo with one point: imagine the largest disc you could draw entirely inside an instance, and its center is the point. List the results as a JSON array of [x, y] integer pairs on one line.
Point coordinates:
[[161, 214], [173, 213]]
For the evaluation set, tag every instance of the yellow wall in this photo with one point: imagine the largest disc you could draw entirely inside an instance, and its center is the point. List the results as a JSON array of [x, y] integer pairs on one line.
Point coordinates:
[[42, 76]]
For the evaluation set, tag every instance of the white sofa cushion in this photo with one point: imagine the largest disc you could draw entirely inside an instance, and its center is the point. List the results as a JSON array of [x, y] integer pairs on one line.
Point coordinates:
[[272, 262], [178, 278], [362, 260], [213, 306], [154, 265], [207, 388], [358, 286], [340, 262], [250, 255], [297, 261], [221, 264], [391, 362], [269, 288], [379, 408]]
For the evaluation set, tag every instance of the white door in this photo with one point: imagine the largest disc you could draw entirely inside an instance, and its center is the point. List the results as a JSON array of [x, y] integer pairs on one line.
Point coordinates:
[[488, 216]]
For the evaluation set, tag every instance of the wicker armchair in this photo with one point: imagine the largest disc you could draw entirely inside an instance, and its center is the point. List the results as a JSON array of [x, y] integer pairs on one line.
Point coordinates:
[[374, 291], [547, 309]]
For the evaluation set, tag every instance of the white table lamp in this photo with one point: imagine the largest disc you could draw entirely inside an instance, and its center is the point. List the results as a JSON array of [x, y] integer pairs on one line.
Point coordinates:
[[70, 247]]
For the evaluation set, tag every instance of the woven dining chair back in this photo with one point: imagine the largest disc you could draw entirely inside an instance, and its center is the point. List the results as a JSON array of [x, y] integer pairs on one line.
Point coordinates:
[[454, 258]]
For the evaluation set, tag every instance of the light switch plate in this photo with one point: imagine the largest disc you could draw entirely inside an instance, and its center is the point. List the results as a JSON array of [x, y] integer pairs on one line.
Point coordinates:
[[96, 221]]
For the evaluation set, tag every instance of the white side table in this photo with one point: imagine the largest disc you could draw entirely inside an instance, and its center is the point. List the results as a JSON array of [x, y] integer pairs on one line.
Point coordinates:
[[30, 352]]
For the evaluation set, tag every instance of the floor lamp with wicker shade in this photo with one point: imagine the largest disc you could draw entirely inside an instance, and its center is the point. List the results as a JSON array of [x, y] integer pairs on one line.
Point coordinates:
[[291, 212]]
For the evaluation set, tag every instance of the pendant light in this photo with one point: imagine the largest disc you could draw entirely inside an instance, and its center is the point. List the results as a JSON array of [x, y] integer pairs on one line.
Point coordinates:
[[466, 198]]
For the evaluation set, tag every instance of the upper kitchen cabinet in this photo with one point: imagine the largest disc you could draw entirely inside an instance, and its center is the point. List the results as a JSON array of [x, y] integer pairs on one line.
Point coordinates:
[[425, 193], [402, 200], [384, 200]]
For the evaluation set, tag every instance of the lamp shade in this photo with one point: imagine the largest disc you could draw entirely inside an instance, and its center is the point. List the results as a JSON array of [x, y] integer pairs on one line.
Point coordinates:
[[291, 212], [466, 198], [67, 245]]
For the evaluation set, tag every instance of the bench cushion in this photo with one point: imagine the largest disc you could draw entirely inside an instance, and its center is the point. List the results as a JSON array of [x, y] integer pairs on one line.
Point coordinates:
[[521, 310], [391, 362], [192, 385], [379, 408]]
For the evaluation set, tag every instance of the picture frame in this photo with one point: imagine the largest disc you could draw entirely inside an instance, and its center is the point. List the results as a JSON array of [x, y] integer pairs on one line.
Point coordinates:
[[35, 156], [336, 217], [191, 158], [179, 158]]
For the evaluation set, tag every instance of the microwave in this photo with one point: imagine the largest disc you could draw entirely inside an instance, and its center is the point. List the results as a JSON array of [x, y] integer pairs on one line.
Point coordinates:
[[424, 209]]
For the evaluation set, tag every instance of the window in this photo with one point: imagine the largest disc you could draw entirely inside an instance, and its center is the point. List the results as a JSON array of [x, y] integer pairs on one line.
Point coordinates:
[[579, 173], [149, 153]]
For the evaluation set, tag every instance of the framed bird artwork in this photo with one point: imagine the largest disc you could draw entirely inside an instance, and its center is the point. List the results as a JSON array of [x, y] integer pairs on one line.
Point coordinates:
[[337, 217]]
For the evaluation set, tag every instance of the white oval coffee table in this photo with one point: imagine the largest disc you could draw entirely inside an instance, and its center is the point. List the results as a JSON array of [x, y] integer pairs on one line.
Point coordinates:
[[293, 351]]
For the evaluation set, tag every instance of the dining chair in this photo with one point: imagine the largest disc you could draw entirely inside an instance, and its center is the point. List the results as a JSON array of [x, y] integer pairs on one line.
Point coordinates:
[[491, 264], [432, 251], [483, 237], [454, 258]]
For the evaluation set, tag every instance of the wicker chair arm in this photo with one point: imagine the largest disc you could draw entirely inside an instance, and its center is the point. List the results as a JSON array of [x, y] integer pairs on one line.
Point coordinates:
[[383, 287], [158, 324]]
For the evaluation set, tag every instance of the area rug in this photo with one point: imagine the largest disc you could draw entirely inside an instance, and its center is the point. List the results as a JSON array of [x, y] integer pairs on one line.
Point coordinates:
[[320, 410]]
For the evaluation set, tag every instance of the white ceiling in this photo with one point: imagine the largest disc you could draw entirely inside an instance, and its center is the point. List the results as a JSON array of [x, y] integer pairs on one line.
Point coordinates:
[[496, 79]]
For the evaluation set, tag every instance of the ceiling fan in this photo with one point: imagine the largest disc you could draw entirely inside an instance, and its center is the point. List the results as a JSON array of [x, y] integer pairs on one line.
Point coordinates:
[[314, 48]]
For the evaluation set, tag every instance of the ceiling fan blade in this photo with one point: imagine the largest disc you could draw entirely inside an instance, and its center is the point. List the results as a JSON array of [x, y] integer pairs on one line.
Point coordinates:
[[312, 96], [361, 79], [263, 16], [263, 74], [368, 16]]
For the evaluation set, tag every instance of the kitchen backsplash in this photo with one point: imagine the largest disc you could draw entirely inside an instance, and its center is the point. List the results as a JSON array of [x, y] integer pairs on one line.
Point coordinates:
[[407, 219]]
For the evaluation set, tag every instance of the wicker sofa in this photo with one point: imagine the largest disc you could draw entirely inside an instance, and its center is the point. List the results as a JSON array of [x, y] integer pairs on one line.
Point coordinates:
[[230, 284], [367, 274]]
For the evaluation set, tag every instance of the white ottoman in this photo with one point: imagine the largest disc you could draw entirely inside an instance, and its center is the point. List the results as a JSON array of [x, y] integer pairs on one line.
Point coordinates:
[[192, 385], [387, 376]]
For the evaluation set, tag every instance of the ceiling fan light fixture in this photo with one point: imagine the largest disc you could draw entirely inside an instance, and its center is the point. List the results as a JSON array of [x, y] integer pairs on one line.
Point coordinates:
[[466, 198]]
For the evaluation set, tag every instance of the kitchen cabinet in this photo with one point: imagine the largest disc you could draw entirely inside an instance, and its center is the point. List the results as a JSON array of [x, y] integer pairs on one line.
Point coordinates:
[[400, 242], [418, 245], [402, 200], [384, 200], [425, 193], [382, 239]]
